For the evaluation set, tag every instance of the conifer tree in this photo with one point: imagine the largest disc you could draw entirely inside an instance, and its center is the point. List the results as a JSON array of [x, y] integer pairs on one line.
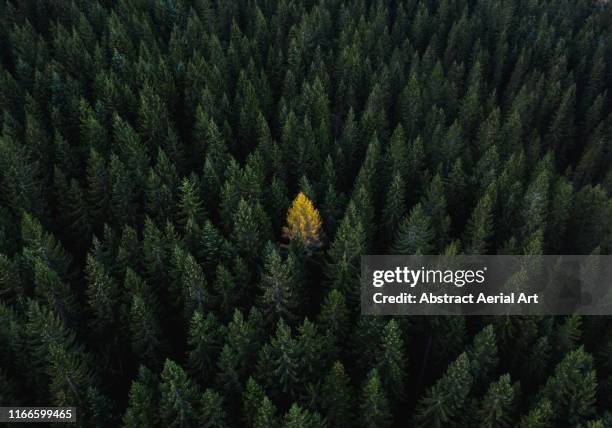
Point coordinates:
[[395, 205], [415, 234], [304, 223], [344, 253], [145, 331], [445, 400], [212, 414], [266, 415], [480, 225], [483, 357], [337, 396], [102, 296], [178, 397], [374, 407], [391, 360], [277, 283], [142, 407], [300, 418], [496, 409], [204, 343], [572, 388], [334, 323], [434, 205]]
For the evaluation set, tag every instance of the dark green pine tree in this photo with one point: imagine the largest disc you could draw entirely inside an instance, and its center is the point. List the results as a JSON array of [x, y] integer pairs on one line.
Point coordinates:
[[444, 402], [415, 234], [297, 417], [53, 291], [249, 229], [243, 340], [213, 248], [479, 229], [498, 405], [212, 412], [189, 285], [483, 357], [252, 398], [541, 416], [395, 206], [204, 340], [102, 296], [434, 205], [309, 349], [189, 205], [142, 409], [69, 375], [572, 388], [178, 402], [266, 416], [334, 323], [392, 361], [374, 407], [99, 187], [279, 298], [279, 363], [53, 348], [345, 252], [146, 335], [227, 294], [337, 397]]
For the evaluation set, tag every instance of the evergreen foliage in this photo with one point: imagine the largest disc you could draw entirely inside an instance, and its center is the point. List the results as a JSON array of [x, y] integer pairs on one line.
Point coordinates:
[[187, 188]]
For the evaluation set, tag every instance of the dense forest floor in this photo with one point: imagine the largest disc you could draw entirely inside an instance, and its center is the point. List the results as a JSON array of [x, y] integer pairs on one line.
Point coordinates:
[[187, 187]]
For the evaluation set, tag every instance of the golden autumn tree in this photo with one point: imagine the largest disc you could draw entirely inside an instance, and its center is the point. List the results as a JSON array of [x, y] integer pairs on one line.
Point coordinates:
[[304, 223]]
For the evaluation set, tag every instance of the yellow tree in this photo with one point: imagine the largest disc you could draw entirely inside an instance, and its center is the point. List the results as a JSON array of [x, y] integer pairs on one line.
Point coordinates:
[[304, 223]]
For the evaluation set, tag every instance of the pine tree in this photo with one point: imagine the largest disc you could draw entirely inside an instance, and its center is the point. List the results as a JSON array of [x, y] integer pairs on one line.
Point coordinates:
[[479, 228], [212, 414], [395, 205], [189, 286], [277, 283], [102, 296], [57, 294], [243, 341], [572, 388], [146, 338], [483, 357], [337, 396], [496, 409], [542, 416], [334, 323], [252, 400], [69, 375], [304, 223], [434, 205], [415, 234], [300, 418], [142, 407], [266, 415], [278, 361], [374, 407], [248, 232], [445, 400], [204, 342], [345, 252], [391, 360], [178, 397]]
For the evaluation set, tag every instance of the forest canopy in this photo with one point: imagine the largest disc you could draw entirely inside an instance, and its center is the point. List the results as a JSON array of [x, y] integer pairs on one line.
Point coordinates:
[[187, 188]]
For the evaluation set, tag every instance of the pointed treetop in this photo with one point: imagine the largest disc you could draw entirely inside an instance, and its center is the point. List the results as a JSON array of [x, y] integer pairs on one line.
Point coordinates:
[[303, 222]]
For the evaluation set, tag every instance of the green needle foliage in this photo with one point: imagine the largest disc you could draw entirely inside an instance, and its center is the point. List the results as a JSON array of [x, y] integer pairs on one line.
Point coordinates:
[[187, 188]]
